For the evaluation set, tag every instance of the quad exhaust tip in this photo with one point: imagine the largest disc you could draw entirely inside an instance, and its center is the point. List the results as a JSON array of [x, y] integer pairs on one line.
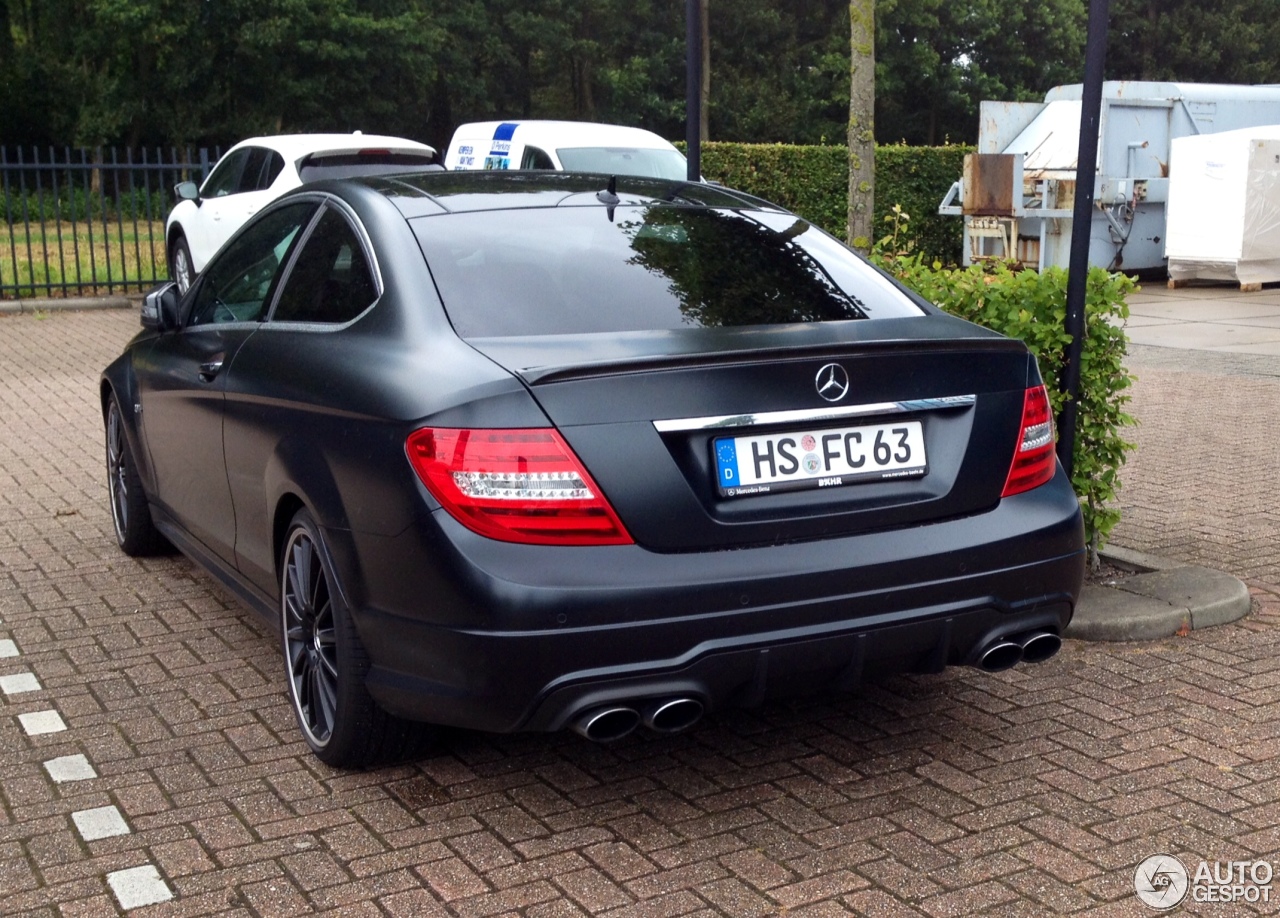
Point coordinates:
[[613, 722], [604, 725], [1039, 646], [1006, 652], [1000, 656], [673, 715]]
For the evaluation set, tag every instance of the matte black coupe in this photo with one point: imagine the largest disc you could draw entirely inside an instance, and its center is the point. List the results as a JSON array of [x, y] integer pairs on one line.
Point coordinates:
[[526, 451]]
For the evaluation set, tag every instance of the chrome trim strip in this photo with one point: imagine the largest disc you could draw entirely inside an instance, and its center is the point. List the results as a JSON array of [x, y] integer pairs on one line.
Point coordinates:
[[813, 414]]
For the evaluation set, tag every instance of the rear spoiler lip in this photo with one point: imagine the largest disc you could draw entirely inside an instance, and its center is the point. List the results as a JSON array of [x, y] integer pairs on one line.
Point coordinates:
[[555, 373], [311, 155]]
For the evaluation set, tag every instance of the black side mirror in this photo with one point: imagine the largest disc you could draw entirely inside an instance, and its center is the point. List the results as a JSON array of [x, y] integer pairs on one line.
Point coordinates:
[[187, 191], [160, 307]]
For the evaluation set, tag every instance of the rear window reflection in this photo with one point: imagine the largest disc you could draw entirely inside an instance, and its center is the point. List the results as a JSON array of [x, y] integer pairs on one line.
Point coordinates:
[[574, 270]]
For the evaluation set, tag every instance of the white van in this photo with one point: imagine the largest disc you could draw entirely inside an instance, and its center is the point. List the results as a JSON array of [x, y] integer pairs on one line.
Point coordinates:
[[565, 146]]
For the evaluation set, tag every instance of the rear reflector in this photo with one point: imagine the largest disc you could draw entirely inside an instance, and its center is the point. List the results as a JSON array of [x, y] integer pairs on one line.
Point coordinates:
[[514, 485], [1034, 461]]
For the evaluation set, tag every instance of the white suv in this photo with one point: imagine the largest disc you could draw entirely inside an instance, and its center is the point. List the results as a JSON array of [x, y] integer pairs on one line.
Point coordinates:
[[257, 171]]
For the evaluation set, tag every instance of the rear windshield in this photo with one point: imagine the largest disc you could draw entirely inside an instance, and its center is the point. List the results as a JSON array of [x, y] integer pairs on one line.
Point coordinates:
[[352, 165], [663, 164], [566, 270]]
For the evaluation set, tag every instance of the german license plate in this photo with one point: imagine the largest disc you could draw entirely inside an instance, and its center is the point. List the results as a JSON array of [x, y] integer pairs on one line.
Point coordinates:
[[800, 460]]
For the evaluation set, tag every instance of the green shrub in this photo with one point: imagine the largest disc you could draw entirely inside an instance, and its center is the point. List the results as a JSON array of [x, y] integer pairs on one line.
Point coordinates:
[[1032, 306], [813, 181], [78, 205]]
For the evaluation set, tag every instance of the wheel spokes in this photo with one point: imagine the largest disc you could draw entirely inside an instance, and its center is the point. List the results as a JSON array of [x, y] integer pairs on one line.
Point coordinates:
[[116, 482], [300, 577], [310, 638], [327, 695]]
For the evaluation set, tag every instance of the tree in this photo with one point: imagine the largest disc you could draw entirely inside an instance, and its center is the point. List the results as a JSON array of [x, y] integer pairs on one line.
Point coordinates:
[[1229, 41], [862, 140], [937, 59]]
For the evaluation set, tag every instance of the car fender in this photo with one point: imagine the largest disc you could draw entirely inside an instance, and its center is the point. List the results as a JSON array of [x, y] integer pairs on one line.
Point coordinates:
[[295, 460], [176, 222], [118, 379]]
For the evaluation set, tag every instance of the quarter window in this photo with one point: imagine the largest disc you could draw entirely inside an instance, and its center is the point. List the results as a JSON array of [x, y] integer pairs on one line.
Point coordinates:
[[235, 286], [331, 281]]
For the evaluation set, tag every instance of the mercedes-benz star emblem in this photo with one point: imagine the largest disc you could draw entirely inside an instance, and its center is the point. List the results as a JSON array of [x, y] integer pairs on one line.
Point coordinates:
[[832, 382]]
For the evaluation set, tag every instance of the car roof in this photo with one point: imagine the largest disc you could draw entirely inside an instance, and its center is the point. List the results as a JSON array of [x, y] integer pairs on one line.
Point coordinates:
[[426, 193], [569, 134], [295, 146]]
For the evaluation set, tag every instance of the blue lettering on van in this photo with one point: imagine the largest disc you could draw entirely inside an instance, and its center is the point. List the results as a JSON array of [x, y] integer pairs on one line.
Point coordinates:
[[502, 139]]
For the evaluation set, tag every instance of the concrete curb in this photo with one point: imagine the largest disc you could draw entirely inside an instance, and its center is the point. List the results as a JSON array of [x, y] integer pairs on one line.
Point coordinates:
[[1159, 600], [54, 304]]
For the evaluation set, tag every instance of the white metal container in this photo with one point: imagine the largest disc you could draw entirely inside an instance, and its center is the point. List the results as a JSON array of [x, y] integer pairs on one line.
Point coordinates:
[[1224, 207], [1139, 122]]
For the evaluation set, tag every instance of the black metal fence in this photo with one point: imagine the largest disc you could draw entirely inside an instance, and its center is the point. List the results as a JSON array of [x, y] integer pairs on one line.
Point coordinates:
[[87, 222]]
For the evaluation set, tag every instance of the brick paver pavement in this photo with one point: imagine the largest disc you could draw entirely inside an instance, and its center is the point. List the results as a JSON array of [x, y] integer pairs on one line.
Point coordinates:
[[1203, 485], [180, 773]]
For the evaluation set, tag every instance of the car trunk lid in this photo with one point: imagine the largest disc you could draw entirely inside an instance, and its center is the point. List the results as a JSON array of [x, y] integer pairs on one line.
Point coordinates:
[[651, 415]]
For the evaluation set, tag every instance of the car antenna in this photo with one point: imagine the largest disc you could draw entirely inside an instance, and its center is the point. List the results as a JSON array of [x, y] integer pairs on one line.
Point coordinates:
[[609, 197]]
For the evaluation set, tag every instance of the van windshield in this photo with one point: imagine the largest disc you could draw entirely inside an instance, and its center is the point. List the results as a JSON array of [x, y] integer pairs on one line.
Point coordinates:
[[663, 164]]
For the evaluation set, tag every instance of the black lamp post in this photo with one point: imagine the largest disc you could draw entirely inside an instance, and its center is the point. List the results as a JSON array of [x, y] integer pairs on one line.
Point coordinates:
[[693, 89], [1082, 224]]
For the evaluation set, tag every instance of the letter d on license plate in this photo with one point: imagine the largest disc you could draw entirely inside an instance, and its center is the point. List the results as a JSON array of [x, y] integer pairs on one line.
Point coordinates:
[[793, 461]]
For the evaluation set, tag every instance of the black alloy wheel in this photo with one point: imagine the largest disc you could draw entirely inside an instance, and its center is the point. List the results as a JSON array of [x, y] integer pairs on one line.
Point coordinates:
[[326, 664], [310, 644], [135, 532]]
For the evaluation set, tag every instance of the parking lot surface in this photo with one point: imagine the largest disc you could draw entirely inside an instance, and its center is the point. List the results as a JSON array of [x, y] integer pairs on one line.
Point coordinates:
[[149, 762]]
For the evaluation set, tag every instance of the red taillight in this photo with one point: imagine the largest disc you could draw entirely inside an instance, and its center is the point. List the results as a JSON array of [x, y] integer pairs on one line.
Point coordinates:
[[514, 485], [1034, 461]]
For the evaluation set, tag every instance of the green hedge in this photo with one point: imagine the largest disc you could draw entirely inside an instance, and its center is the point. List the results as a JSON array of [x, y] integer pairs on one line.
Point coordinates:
[[813, 181], [916, 179], [78, 205], [1032, 306]]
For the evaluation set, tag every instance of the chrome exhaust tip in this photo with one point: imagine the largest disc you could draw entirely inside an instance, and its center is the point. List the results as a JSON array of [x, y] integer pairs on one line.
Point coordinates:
[[604, 725], [673, 715], [1039, 646], [999, 656]]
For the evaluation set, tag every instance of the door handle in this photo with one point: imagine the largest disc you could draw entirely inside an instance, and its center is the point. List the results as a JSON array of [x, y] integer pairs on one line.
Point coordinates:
[[211, 368]]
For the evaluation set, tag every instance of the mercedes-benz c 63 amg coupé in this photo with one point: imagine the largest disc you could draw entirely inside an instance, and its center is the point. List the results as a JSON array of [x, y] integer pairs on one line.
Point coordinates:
[[527, 451]]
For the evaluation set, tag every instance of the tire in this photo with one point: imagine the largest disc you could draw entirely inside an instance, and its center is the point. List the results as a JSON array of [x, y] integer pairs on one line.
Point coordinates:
[[180, 270], [130, 514], [326, 664]]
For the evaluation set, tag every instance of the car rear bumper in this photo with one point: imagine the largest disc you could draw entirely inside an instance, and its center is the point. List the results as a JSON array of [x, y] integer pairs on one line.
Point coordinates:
[[488, 635]]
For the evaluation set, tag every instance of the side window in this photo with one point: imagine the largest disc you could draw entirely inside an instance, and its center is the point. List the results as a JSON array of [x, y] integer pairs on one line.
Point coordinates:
[[249, 179], [235, 285], [275, 163], [226, 176], [331, 280], [535, 159]]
